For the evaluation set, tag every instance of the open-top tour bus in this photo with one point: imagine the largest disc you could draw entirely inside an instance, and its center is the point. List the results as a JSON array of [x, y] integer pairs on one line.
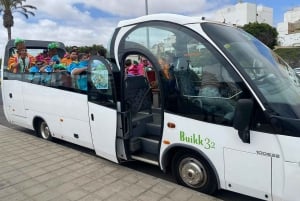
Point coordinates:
[[214, 105]]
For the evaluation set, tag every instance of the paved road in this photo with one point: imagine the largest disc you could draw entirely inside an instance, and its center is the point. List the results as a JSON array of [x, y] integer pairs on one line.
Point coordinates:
[[139, 168], [32, 169]]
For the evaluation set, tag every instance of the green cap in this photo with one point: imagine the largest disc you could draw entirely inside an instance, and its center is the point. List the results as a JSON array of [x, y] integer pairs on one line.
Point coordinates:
[[18, 40], [53, 45]]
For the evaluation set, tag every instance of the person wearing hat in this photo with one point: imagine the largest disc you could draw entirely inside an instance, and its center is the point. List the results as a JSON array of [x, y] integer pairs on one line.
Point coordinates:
[[52, 48], [54, 59], [21, 61], [38, 65]]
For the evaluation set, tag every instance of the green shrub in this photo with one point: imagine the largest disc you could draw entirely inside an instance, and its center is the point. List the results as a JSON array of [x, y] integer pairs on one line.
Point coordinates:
[[290, 55]]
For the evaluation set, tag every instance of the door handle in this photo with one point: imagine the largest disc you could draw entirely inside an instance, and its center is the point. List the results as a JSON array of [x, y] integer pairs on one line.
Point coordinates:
[[92, 117]]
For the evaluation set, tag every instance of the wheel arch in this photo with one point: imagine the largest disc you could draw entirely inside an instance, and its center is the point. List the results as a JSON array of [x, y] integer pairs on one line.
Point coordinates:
[[35, 122], [169, 153]]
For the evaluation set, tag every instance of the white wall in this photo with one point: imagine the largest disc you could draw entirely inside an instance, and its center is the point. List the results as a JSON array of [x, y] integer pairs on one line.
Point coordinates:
[[243, 13], [284, 38], [292, 15]]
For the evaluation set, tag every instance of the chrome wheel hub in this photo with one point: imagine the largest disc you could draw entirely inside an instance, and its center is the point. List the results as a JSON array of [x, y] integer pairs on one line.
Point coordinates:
[[192, 173], [45, 132]]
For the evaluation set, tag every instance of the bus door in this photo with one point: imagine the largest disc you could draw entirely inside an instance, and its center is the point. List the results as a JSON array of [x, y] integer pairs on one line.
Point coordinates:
[[142, 113], [102, 107]]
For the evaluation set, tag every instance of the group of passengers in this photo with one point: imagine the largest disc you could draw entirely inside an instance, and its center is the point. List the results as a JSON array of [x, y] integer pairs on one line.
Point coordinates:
[[47, 61]]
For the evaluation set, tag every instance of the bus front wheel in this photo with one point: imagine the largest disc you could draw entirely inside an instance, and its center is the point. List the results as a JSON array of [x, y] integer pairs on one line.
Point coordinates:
[[44, 131], [194, 172]]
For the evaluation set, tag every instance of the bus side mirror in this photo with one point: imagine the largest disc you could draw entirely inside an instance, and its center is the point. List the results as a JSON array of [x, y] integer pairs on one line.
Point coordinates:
[[242, 118]]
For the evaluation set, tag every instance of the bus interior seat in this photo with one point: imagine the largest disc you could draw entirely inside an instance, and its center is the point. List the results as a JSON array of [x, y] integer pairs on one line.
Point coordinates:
[[186, 78], [188, 83], [138, 94], [138, 97]]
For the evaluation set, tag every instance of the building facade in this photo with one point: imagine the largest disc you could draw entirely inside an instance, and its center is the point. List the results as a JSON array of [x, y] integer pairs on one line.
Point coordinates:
[[289, 29], [243, 13]]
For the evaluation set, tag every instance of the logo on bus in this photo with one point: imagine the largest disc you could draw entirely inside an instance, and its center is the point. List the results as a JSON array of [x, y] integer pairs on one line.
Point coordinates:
[[206, 143], [268, 154]]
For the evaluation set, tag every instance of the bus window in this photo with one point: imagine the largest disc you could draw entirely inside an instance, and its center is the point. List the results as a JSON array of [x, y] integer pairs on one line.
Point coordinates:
[[100, 83], [194, 78]]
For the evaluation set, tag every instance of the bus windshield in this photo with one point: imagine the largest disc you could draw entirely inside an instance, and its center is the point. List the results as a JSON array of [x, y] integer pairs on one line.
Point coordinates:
[[273, 78]]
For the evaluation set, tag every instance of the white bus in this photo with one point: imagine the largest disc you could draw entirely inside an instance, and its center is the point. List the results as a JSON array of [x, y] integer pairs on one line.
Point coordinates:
[[222, 113]]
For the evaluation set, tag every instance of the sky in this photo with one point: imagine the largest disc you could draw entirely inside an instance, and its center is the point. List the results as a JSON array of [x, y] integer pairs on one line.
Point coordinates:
[[88, 22]]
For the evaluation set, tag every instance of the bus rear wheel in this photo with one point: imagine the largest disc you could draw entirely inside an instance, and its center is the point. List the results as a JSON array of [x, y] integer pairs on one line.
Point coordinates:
[[44, 131], [194, 172]]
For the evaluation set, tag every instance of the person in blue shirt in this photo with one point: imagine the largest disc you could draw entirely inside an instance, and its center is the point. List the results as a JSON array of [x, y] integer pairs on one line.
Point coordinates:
[[74, 61], [36, 67], [78, 68]]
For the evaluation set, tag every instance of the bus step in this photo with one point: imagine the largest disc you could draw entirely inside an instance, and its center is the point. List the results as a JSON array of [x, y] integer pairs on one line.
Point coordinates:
[[153, 129], [145, 157], [150, 144], [156, 110], [150, 138]]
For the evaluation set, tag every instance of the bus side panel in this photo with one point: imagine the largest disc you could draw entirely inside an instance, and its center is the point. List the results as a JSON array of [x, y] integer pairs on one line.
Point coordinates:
[[291, 167], [13, 101], [253, 178], [290, 148], [5, 99], [278, 177], [240, 167], [196, 134], [292, 181], [65, 112]]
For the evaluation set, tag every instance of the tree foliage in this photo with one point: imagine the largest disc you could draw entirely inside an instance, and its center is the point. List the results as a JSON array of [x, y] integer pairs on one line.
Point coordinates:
[[8, 7], [264, 32], [94, 49]]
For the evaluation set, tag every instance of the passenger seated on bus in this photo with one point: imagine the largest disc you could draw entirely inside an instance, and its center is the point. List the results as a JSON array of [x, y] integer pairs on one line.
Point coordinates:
[[21, 61], [212, 100], [74, 60], [43, 56], [78, 69], [36, 68], [131, 68], [66, 60], [142, 65], [54, 63], [35, 76]]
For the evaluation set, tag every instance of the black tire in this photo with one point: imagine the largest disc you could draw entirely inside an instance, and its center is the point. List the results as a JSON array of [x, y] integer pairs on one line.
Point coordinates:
[[43, 130], [193, 171]]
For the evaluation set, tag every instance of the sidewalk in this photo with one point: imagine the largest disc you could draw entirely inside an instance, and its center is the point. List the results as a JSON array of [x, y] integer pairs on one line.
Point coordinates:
[[33, 169]]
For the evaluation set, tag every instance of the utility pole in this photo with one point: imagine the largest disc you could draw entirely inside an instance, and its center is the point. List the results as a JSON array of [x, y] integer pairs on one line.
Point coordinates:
[[147, 30], [256, 11], [146, 6]]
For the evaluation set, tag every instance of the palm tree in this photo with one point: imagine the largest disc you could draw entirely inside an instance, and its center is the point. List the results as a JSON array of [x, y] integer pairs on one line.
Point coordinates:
[[7, 7]]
